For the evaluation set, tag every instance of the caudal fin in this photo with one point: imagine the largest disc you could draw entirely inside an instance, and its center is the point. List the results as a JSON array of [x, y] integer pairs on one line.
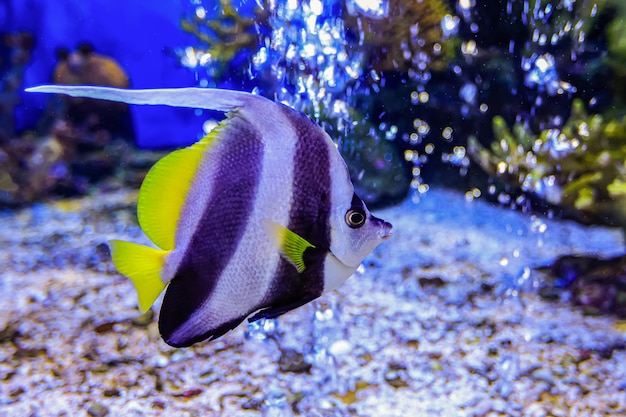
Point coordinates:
[[143, 265]]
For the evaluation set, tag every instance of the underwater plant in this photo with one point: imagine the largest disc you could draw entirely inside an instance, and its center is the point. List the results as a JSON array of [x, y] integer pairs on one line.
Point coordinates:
[[579, 167], [408, 36], [221, 38]]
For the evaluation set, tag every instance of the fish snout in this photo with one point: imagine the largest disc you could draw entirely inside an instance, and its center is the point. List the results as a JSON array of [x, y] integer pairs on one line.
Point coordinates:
[[384, 228]]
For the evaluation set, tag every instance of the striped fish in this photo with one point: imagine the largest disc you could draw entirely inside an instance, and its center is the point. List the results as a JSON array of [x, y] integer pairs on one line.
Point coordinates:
[[256, 219]]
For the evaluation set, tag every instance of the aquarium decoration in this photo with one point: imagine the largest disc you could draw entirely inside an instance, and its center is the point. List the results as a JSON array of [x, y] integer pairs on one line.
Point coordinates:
[[83, 142], [86, 66], [598, 286], [222, 38], [578, 167]]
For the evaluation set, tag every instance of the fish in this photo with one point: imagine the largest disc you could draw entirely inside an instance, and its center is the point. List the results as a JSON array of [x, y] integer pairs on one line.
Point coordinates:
[[256, 219]]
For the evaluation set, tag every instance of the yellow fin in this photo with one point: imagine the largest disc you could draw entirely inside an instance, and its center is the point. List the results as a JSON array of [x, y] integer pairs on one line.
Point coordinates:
[[291, 245], [142, 264], [164, 189]]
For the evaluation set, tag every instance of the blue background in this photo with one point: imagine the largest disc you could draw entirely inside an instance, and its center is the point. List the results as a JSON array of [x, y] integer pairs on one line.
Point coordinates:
[[141, 35]]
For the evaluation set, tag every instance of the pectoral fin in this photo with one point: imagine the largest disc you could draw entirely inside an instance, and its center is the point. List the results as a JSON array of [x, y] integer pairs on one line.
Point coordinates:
[[291, 245]]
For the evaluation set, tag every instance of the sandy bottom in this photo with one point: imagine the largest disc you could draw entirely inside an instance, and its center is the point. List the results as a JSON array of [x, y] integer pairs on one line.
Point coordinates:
[[442, 320]]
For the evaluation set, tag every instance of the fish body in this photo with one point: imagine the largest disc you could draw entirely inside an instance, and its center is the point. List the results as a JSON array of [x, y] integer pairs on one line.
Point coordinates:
[[256, 219]]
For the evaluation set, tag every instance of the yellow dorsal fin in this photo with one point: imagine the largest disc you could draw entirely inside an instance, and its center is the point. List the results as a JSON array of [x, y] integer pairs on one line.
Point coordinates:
[[142, 264], [164, 189], [291, 245]]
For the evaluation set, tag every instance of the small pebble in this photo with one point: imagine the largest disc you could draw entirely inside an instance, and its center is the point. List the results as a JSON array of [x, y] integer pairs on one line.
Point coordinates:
[[293, 361], [543, 375], [340, 347], [97, 410]]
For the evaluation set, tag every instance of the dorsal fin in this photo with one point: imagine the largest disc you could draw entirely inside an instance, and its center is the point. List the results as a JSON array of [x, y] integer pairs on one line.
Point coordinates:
[[164, 189], [198, 98]]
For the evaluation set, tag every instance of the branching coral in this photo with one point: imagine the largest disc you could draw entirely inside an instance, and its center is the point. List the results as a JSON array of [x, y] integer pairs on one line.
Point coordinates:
[[580, 167], [221, 38], [408, 37]]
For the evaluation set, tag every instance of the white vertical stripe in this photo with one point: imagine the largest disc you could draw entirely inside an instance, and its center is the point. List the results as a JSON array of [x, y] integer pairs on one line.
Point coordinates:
[[198, 197]]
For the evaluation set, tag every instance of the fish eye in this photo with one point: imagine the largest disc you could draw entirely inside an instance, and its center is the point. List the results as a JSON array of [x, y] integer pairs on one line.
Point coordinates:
[[355, 218]]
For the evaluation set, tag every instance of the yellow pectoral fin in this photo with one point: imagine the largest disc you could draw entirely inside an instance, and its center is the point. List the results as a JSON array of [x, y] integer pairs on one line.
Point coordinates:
[[143, 265], [291, 245]]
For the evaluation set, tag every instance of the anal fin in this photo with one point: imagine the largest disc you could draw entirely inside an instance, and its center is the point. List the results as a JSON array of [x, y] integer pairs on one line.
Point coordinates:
[[143, 265]]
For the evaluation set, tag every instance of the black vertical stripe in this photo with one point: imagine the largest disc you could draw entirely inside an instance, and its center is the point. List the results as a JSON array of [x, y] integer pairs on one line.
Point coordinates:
[[308, 217], [219, 231]]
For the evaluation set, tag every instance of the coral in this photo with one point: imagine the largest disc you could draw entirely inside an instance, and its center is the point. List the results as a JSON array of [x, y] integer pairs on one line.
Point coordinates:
[[81, 141], [15, 50], [31, 167], [580, 167], [598, 286], [409, 36], [86, 66], [402, 35], [222, 38], [37, 168]]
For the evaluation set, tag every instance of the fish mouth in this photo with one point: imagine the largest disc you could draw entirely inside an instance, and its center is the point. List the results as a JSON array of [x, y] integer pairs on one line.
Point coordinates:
[[384, 228]]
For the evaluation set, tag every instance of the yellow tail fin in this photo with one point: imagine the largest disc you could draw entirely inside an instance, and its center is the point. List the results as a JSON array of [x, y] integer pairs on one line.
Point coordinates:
[[142, 264]]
